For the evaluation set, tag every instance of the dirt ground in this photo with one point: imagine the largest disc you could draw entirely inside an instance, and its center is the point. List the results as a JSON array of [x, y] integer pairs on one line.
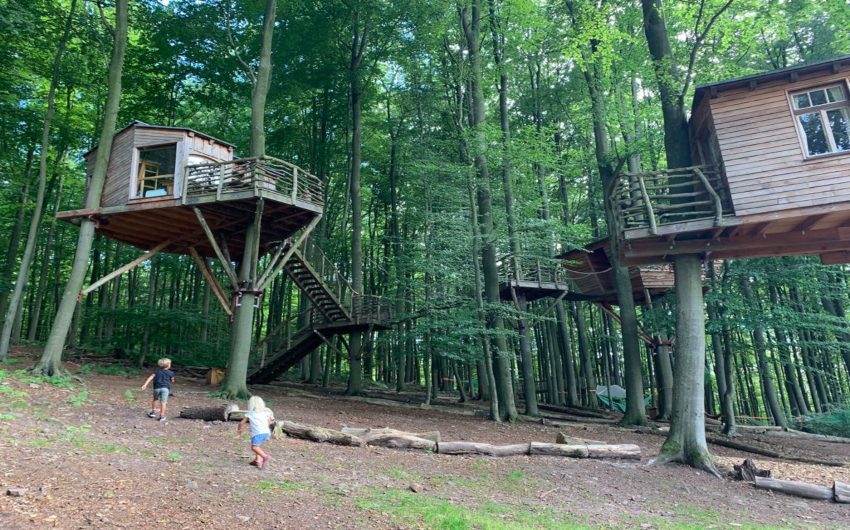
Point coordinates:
[[88, 457]]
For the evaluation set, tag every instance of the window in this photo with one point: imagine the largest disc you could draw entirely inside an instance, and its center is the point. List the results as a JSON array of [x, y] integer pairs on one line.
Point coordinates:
[[823, 119], [155, 174]]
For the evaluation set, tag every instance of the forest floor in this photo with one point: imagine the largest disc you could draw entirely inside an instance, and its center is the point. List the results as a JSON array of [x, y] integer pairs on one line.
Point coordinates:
[[88, 457]]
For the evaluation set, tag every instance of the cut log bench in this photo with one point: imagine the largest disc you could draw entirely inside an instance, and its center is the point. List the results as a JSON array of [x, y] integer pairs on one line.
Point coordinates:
[[565, 446]]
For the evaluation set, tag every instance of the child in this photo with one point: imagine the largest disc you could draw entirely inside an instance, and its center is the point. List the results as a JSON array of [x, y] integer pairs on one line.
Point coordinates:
[[162, 380], [260, 419]]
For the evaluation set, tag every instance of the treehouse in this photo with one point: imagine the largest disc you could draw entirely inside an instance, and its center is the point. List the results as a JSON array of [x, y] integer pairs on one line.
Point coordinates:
[[161, 180], [771, 174], [173, 189], [589, 269]]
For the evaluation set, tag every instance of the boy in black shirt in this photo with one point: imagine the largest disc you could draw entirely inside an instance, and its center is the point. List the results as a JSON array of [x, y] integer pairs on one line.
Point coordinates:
[[162, 380]]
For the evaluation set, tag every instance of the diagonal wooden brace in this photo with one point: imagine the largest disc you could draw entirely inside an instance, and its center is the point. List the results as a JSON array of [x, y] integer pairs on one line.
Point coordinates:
[[128, 267], [225, 263], [217, 290]]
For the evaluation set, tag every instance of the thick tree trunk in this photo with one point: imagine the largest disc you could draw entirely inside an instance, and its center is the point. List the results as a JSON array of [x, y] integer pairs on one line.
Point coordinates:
[[235, 384], [51, 359], [358, 46], [686, 441]]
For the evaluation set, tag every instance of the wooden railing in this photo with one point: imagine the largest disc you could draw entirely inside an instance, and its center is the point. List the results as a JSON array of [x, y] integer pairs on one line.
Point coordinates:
[[257, 173], [532, 269], [646, 200], [362, 308]]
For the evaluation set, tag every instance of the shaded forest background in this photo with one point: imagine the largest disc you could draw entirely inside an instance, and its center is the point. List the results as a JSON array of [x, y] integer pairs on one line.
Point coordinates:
[[777, 322]]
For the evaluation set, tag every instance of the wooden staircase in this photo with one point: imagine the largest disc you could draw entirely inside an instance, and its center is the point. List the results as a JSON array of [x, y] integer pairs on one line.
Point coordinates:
[[335, 310]]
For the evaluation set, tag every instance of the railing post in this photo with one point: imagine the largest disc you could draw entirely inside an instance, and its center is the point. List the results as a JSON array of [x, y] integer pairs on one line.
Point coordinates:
[[220, 183], [653, 229], [294, 183], [718, 205]]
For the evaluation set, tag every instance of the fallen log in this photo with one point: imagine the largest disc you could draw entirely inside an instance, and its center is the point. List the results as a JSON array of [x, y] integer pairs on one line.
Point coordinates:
[[792, 487], [319, 434], [368, 434], [629, 451], [841, 492], [791, 433], [772, 454], [209, 413], [562, 438], [401, 441], [474, 448]]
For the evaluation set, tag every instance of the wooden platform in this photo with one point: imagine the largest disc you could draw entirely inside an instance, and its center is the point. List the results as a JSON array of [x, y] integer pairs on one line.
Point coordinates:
[[228, 195], [819, 230], [590, 271], [138, 225]]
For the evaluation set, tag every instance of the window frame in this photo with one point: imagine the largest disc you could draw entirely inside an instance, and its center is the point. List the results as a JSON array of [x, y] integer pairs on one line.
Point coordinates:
[[844, 85], [138, 179]]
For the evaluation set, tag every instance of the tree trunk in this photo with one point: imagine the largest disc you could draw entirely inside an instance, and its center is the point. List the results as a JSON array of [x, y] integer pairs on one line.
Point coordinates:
[[17, 230], [686, 441], [772, 401], [235, 384], [35, 223], [502, 362], [358, 46], [51, 359]]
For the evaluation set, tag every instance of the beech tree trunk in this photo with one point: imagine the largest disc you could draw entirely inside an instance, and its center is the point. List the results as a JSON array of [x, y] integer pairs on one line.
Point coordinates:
[[51, 359], [235, 384], [502, 362]]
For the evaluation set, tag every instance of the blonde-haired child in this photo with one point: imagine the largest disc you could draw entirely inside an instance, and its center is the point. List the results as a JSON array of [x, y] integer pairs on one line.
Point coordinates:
[[260, 418], [162, 380]]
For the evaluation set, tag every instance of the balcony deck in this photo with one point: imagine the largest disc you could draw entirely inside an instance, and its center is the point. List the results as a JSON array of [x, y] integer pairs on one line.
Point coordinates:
[[227, 194], [686, 211]]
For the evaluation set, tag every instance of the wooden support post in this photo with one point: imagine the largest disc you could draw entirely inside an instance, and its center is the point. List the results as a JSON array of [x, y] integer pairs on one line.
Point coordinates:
[[653, 229], [220, 183], [225, 263], [211, 280], [718, 205], [271, 272], [128, 267]]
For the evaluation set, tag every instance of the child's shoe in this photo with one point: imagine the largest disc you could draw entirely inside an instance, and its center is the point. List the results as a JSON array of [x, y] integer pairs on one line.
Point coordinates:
[[151, 414], [266, 460], [162, 418]]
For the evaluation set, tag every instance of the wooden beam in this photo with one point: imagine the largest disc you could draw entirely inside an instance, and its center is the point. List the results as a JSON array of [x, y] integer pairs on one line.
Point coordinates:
[[641, 333], [228, 269], [808, 223], [128, 267], [784, 244], [211, 280]]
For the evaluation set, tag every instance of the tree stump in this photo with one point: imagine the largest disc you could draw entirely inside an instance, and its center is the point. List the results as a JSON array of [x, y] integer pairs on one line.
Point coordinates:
[[209, 413], [748, 471], [215, 376]]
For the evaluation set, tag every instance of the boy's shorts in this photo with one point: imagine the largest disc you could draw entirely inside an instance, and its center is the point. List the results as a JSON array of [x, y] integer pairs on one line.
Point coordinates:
[[259, 439], [160, 394]]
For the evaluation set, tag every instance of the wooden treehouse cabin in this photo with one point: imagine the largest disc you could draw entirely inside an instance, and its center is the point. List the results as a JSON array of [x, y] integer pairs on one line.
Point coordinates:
[[589, 269], [771, 174], [176, 190]]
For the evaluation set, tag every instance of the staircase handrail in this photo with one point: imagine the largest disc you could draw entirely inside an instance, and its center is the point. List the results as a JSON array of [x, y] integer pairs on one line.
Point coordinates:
[[531, 268]]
